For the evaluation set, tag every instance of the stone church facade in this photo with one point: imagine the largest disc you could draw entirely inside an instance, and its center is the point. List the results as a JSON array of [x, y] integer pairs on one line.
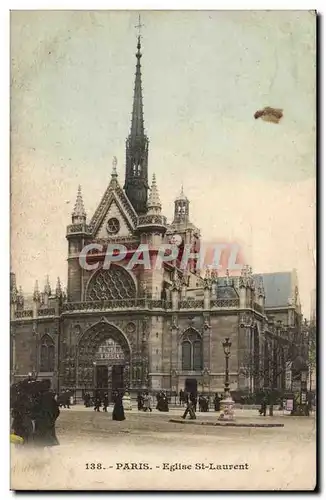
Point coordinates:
[[143, 328]]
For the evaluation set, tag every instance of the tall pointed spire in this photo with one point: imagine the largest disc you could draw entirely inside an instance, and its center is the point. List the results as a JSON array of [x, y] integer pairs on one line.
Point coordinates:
[[79, 213], [20, 297], [58, 289], [136, 182], [154, 203], [47, 286], [137, 118], [36, 294]]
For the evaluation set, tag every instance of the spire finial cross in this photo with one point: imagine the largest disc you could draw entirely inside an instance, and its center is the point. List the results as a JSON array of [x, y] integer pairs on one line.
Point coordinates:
[[139, 26]]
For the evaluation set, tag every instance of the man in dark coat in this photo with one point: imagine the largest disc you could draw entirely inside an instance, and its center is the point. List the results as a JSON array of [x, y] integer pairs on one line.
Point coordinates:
[[263, 406], [118, 411], [217, 402], [193, 399], [67, 399], [140, 401], [190, 410], [46, 412], [105, 402], [87, 400], [97, 402]]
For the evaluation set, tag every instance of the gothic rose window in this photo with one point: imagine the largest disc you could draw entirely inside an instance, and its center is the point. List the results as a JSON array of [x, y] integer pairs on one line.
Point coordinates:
[[113, 225], [192, 352], [111, 284], [47, 354]]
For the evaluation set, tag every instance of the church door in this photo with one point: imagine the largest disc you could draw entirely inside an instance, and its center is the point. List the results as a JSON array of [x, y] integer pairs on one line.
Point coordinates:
[[102, 376], [191, 385], [117, 377]]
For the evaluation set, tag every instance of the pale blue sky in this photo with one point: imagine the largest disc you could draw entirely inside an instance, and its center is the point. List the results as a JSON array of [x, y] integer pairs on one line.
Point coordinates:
[[204, 76]]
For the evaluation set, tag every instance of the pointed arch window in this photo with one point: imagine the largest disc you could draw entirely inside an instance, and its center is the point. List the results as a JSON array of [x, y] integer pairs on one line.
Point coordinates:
[[192, 351], [186, 355], [47, 354]]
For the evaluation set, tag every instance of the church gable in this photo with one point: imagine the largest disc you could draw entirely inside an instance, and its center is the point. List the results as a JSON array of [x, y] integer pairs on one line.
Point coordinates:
[[114, 223], [114, 215]]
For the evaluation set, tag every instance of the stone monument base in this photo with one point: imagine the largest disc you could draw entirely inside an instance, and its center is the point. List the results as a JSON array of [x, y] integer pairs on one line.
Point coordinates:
[[227, 409], [126, 402]]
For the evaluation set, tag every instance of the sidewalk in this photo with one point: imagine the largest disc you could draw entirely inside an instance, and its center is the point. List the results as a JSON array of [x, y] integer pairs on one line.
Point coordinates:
[[176, 412]]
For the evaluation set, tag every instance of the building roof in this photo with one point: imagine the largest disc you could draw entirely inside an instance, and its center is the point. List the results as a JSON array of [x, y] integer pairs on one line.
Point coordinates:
[[226, 292], [278, 288]]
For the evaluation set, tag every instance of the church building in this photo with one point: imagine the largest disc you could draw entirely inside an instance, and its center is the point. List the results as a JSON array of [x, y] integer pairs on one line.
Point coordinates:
[[158, 328]]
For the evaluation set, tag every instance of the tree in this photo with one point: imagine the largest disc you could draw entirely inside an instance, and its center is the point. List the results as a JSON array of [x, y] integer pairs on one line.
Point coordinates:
[[268, 371], [312, 350]]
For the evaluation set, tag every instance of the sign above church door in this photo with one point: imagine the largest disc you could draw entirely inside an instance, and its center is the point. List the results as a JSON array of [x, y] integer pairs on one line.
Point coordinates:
[[110, 350]]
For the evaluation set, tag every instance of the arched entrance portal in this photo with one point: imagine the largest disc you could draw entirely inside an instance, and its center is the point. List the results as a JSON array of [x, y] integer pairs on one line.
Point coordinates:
[[103, 360], [109, 363]]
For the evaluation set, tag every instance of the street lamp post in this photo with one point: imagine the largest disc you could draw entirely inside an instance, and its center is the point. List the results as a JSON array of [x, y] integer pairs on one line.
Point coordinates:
[[94, 377], [227, 351], [227, 403]]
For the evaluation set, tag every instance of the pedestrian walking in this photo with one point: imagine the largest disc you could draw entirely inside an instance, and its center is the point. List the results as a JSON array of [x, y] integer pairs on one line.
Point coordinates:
[[105, 402], [189, 410], [217, 402], [97, 403], [118, 411], [147, 402], [193, 399], [140, 401], [263, 407]]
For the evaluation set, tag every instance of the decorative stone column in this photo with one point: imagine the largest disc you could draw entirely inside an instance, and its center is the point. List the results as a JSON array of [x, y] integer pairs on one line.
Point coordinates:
[[174, 343], [144, 354], [175, 297], [242, 293], [36, 300], [207, 290], [174, 382]]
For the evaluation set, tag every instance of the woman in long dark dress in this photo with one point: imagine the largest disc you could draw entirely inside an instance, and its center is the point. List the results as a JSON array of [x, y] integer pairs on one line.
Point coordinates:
[[46, 414], [118, 411], [21, 411], [217, 403]]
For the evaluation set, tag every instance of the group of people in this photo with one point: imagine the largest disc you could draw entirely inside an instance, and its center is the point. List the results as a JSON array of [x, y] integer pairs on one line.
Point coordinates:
[[64, 398], [101, 400], [144, 401], [35, 408], [191, 400], [162, 401], [34, 411], [202, 400]]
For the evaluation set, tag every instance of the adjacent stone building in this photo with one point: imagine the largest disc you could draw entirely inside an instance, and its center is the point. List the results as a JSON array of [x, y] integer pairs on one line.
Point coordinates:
[[156, 328]]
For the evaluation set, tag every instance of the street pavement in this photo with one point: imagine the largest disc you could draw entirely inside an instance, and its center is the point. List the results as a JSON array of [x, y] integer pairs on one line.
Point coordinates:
[[146, 452]]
